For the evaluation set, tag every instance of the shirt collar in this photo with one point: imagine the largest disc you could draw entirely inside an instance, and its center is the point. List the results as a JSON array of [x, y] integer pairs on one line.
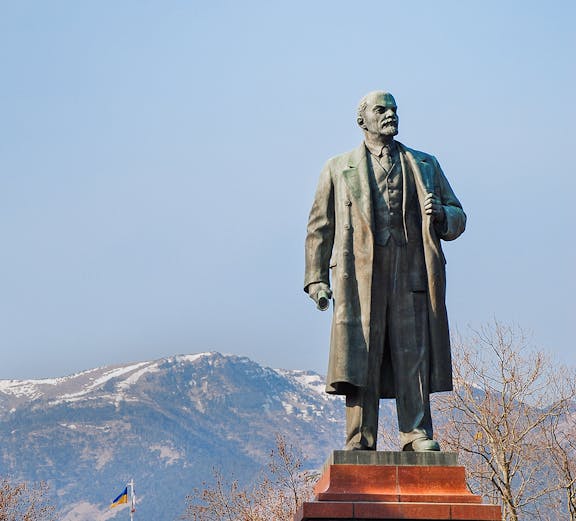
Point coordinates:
[[377, 150]]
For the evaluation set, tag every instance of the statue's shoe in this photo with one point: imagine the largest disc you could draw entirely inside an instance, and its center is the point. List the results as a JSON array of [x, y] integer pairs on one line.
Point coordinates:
[[422, 445], [357, 446]]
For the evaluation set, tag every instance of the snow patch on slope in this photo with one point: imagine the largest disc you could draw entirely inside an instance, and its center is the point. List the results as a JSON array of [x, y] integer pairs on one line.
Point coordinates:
[[192, 358], [136, 375], [167, 452], [86, 510], [106, 377], [308, 379]]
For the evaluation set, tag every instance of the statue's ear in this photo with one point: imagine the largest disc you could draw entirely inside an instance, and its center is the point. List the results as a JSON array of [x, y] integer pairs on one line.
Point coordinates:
[[360, 121]]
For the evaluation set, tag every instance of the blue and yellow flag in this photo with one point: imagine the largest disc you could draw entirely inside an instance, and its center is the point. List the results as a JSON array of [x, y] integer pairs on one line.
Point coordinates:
[[121, 499]]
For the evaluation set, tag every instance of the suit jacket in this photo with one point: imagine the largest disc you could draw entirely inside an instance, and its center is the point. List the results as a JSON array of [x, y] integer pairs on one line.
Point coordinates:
[[340, 236]]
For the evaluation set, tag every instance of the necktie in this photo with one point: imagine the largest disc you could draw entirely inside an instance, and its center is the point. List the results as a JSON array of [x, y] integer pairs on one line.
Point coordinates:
[[386, 161]]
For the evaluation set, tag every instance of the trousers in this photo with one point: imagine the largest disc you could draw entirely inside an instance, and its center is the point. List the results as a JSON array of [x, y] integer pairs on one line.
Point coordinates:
[[398, 336]]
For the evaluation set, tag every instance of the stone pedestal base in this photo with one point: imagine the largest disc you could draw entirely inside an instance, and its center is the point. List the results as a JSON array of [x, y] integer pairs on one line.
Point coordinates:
[[395, 486]]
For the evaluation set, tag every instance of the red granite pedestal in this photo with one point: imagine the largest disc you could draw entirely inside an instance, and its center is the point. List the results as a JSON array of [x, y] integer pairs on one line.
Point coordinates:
[[394, 486]]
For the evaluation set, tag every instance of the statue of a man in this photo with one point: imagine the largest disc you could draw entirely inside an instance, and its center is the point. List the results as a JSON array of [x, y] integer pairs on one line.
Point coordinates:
[[373, 245]]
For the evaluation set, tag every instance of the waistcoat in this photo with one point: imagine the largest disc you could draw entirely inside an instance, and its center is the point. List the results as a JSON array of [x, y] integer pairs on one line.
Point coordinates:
[[386, 189]]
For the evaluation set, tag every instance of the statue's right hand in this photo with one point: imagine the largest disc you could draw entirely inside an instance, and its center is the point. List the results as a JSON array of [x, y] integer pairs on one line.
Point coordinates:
[[321, 294]]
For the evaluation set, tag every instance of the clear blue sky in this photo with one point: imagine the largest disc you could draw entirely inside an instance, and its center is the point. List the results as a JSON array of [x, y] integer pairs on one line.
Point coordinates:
[[158, 160]]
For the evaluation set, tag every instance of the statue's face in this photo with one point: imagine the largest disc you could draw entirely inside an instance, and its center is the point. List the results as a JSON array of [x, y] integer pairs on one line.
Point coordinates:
[[380, 118]]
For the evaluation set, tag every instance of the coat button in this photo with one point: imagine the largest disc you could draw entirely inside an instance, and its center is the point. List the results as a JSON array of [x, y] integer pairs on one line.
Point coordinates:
[[347, 202], [346, 253], [346, 226], [345, 275]]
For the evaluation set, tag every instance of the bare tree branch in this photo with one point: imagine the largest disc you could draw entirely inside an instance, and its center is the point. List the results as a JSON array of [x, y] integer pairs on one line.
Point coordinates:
[[503, 418], [276, 494]]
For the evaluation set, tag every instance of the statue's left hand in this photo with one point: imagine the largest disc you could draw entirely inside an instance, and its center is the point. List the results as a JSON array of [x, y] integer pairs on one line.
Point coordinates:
[[321, 294], [434, 208]]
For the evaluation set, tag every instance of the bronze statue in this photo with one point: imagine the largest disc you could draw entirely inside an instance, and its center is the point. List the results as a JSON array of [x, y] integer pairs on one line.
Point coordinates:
[[374, 237]]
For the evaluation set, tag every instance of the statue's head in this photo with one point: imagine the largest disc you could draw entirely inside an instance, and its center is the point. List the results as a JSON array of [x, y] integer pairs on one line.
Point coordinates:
[[377, 114]]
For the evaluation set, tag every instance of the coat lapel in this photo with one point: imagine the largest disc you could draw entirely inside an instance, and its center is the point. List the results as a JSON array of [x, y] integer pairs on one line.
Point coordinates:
[[356, 177], [423, 178], [406, 174], [423, 173]]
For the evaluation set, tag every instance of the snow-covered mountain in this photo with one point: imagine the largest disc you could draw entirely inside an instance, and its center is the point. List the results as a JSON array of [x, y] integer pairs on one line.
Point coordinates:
[[167, 423]]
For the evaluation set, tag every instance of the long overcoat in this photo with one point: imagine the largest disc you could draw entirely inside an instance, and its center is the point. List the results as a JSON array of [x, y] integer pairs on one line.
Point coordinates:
[[340, 240]]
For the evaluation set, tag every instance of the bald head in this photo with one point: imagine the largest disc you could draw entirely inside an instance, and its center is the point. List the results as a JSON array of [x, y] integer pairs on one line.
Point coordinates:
[[374, 97]]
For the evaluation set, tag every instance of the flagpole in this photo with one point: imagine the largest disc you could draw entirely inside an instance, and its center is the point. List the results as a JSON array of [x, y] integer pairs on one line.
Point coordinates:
[[132, 500]]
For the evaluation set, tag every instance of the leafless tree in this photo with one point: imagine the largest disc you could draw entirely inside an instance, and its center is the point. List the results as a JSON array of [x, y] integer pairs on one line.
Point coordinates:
[[507, 401], [560, 437], [25, 502], [276, 494]]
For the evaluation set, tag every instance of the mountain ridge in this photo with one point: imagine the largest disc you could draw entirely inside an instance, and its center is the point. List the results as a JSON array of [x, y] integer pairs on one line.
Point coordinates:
[[167, 423]]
